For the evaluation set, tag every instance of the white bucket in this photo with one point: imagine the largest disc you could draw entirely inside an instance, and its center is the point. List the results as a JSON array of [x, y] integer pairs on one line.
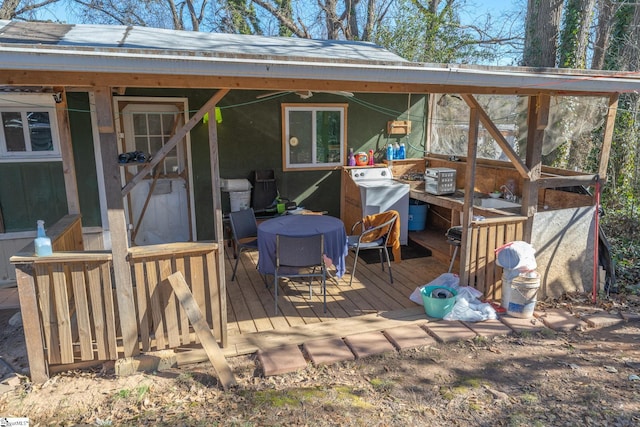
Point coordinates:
[[240, 200], [522, 296], [507, 277]]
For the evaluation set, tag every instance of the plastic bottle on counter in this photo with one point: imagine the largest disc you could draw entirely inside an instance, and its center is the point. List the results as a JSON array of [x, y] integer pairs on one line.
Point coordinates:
[[42, 243], [402, 151], [351, 160], [389, 152], [396, 151], [371, 161]]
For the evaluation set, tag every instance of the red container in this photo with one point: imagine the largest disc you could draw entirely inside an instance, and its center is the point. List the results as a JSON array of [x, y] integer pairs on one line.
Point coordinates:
[[362, 159]]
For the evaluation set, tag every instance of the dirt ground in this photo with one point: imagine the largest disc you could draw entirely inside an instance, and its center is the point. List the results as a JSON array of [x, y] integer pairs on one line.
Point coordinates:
[[582, 378]]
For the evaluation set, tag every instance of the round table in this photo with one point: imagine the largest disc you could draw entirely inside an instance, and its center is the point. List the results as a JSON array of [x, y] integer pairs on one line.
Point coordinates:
[[335, 238]]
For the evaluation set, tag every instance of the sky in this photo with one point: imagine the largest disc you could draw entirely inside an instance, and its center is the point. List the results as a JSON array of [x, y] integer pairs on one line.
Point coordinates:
[[57, 12]]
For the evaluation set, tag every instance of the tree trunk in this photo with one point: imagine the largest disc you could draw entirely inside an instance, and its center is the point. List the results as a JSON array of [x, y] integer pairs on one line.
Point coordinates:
[[603, 33], [541, 33], [578, 16], [8, 9]]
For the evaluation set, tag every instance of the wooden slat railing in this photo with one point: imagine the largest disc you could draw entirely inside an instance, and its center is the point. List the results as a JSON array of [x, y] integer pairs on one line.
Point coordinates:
[[69, 311], [486, 237], [162, 321]]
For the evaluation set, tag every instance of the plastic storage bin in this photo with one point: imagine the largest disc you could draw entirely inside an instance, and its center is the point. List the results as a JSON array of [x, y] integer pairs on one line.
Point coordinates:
[[417, 219], [240, 200]]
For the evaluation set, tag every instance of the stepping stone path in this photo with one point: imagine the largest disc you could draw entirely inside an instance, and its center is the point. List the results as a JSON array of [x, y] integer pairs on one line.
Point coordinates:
[[276, 361]]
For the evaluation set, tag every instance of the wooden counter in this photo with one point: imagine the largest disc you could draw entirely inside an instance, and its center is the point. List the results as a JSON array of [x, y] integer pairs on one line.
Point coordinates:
[[454, 205]]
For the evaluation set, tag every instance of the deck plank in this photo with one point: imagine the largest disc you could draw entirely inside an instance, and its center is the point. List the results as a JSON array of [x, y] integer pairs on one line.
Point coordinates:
[[370, 304]]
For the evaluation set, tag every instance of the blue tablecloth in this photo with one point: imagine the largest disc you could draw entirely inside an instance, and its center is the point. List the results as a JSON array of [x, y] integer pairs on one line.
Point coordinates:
[[335, 238]]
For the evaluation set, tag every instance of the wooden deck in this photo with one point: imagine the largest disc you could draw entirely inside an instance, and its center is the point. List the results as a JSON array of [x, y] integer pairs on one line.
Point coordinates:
[[371, 303]]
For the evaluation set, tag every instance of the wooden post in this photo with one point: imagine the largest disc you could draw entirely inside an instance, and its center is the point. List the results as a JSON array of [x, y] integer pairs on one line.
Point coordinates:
[[181, 288], [66, 149], [34, 339], [607, 137], [537, 119], [469, 184], [217, 215], [117, 222]]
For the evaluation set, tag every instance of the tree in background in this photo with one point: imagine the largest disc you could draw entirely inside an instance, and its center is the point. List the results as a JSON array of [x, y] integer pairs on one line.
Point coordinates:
[[17, 9], [574, 37], [542, 28], [431, 31], [624, 55]]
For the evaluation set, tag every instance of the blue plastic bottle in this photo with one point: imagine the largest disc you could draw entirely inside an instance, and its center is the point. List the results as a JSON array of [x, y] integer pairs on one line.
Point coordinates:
[[396, 151], [402, 151], [42, 243], [389, 152]]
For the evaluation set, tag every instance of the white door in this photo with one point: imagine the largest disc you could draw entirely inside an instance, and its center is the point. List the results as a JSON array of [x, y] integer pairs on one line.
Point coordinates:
[[159, 208]]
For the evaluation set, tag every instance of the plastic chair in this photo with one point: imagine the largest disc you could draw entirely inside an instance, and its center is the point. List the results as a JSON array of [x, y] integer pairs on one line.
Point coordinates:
[[359, 242], [295, 253], [245, 233]]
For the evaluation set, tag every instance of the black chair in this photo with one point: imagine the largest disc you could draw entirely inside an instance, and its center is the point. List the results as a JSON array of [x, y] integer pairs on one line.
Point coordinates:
[[295, 256], [245, 233], [360, 242], [454, 238]]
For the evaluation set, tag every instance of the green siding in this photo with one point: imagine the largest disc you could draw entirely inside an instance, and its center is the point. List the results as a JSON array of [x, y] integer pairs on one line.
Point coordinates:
[[29, 192], [84, 158], [249, 139]]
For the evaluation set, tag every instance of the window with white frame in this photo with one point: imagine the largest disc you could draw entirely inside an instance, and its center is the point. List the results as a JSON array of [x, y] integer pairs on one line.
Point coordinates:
[[314, 135], [29, 129]]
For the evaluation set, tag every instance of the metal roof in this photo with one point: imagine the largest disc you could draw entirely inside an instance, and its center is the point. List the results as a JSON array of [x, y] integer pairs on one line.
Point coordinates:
[[28, 46], [132, 38]]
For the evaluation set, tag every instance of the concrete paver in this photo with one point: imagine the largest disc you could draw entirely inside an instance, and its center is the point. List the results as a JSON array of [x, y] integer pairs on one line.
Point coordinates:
[[519, 324], [631, 317], [449, 331], [410, 336], [276, 361], [368, 344], [324, 352], [602, 319], [560, 320], [489, 328]]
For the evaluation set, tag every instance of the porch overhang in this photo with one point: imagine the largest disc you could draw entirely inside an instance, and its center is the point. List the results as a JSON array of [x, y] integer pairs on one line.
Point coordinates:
[[61, 65]]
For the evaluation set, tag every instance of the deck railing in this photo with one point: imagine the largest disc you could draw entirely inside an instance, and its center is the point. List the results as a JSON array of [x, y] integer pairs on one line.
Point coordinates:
[[70, 314], [486, 237]]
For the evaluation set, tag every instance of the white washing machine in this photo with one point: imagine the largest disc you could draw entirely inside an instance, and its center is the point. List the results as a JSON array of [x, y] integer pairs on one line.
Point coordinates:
[[379, 192]]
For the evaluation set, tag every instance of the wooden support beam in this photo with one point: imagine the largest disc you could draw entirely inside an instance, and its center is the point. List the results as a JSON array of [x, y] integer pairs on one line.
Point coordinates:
[[173, 141], [133, 80], [497, 135], [566, 181], [537, 120], [199, 323], [217, 215], [467, 210], [117, 222], [66, 150], [608, 136]]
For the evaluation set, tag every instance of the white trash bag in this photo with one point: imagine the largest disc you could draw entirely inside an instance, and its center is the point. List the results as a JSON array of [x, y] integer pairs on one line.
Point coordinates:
[[470, 310], [516, 255]]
